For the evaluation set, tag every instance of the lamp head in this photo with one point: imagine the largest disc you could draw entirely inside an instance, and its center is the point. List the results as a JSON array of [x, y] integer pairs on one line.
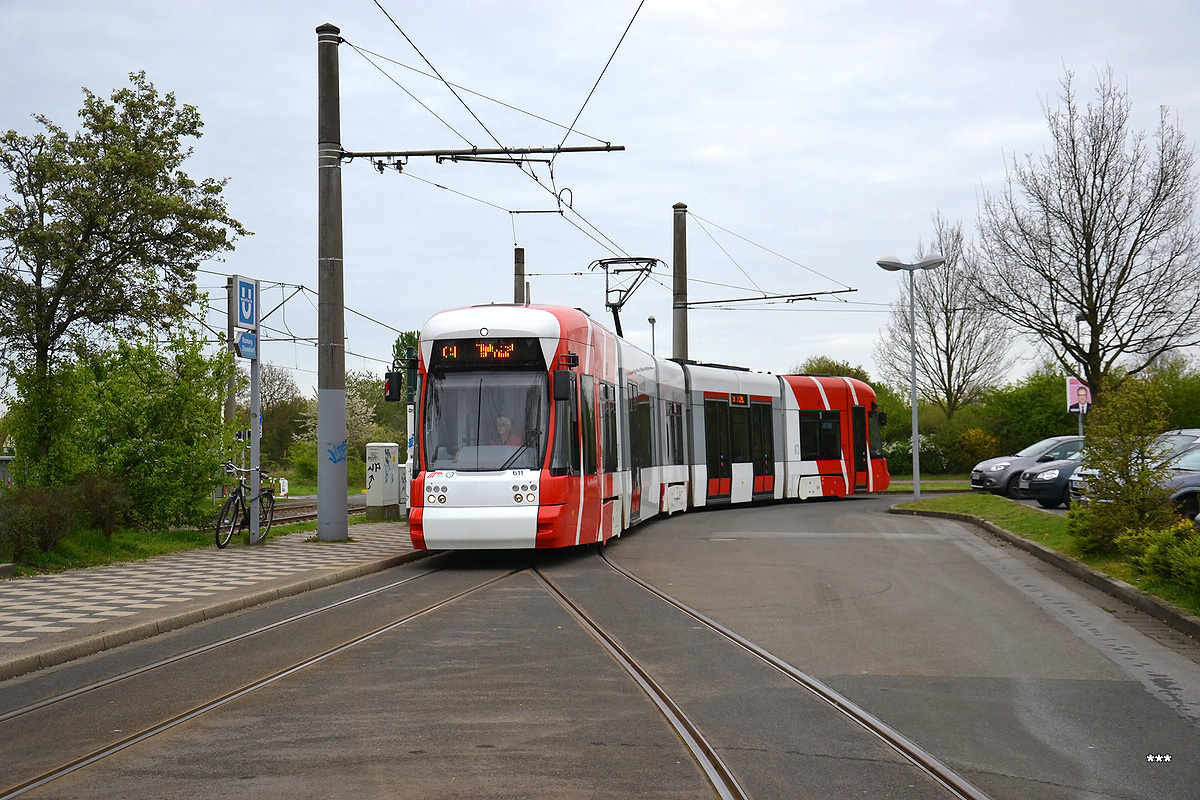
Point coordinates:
[[893, 264]]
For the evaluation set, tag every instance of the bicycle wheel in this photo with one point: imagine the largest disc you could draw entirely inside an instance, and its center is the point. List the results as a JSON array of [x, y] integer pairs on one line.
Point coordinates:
[[230, 519], [266, 514]]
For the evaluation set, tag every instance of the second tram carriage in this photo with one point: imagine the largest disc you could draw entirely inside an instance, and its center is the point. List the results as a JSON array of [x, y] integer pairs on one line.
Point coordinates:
[[538, 427]]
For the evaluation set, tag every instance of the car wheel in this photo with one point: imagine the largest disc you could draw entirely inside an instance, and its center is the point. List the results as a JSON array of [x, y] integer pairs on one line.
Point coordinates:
[[1044, 503], [1010, 489], [1188, 507]]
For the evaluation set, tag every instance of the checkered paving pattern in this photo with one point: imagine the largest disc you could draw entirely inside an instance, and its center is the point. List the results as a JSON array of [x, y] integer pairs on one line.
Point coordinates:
[[44, 604]]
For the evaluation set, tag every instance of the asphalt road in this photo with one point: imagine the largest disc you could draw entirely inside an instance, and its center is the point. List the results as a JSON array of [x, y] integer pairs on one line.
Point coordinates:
[[1032, 684], [1027, 683]]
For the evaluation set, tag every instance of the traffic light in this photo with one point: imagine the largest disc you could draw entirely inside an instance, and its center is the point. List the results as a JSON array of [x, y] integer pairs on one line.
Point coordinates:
[[410, 364], [393, 386]]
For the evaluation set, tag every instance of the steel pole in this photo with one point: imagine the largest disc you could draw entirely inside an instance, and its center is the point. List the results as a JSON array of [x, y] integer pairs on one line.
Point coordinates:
[[519, 276], [912, 333], [679, 320], [332, 503]]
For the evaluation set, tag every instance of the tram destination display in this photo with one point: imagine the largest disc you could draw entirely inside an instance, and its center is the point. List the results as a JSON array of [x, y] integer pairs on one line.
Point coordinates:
[[517, 352]]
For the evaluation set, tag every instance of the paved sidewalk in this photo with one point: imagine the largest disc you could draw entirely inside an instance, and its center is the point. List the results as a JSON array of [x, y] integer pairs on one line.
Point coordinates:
[[50, 619]]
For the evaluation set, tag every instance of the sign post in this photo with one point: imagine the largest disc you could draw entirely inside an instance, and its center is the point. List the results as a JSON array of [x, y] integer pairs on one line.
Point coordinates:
[[246, 307], [1079, 399]]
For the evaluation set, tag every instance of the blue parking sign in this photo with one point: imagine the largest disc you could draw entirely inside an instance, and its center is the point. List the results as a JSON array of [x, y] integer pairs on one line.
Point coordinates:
[[247, 302]]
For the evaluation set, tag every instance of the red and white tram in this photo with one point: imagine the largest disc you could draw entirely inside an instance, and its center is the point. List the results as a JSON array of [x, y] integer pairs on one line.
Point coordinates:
[[538, 427]]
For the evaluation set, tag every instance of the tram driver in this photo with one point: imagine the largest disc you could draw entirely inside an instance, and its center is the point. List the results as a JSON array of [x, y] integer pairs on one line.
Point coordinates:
[[504, 434]]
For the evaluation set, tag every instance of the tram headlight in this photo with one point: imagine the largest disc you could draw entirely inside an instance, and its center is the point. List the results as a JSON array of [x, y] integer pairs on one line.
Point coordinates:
[[432, 499], [517, 497], [441, 498], [530, 497]]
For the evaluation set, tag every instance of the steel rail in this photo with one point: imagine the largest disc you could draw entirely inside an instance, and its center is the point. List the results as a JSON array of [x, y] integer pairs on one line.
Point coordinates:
[[926, 762], [133, 673], [715, 769], [128, 741]]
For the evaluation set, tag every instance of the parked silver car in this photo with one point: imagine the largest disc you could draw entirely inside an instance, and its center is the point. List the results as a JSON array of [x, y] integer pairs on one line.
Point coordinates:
[[1000, 475]]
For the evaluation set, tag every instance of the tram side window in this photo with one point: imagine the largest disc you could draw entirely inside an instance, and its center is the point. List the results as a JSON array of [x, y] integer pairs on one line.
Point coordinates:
[[641, 445], [820, 435], [587, 404], [675, 454], [565, 460], [763, 438], [739, 431], [876, 434], [608, 426]]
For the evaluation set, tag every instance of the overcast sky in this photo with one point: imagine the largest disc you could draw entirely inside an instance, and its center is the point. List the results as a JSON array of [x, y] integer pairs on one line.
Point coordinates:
[[808, 140]]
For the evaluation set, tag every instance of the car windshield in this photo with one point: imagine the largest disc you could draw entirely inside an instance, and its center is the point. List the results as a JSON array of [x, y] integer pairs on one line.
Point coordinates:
[[1035, 450], [486, 421], [1188, 459], [1174, 444]]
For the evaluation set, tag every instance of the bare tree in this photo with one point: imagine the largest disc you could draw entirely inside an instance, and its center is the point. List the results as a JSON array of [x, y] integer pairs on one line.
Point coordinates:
[[276, 386], [961, 350], [1091, 249]]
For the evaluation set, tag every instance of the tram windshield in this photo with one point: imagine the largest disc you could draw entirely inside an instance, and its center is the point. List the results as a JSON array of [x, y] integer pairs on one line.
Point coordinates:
[[486, 421]]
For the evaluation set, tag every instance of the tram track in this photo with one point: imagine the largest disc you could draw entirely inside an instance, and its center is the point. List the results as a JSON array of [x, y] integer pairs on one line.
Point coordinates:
[[923, 760], [142, 670], [706, 755], [49, 775]]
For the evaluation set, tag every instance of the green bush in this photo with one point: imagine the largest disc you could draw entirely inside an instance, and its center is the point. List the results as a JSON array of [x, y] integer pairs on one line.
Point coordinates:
[[103, 501], [33, 518], [975, 445], [1126, 492], [1170, 554]]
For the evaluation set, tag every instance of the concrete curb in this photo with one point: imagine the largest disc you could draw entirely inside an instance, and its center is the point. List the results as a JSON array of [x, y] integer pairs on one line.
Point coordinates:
[[1177, 618], [71, 647]]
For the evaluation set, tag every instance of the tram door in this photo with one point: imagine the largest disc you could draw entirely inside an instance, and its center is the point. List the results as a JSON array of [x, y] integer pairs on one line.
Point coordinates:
[[640, 446], [862, 463], [762, 449], [717, 445]]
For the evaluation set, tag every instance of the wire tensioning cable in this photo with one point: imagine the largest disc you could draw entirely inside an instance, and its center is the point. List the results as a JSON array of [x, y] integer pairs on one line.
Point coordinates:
[[767, 249], [599, 78], [461, 88]]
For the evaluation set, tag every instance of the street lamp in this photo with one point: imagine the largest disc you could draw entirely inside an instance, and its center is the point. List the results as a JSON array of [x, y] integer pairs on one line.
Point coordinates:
[[895, 265], [651, 321]]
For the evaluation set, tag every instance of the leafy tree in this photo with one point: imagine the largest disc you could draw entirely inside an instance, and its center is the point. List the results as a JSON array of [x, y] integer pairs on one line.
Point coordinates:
[[1126, 493], [282, 408], [1030, 410], [100, 238], [824, 365], [1092, 249], [149, 418], [155, 418], [1179, 383], [961, 349]]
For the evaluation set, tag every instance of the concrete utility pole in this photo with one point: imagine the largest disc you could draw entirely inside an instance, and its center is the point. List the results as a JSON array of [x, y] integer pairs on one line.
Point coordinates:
[[332, 504], [679, 320], [231, 386], [519, 276]]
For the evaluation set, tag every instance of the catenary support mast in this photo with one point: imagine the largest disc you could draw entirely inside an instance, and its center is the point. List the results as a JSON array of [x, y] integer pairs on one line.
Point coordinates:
[[332, 504]]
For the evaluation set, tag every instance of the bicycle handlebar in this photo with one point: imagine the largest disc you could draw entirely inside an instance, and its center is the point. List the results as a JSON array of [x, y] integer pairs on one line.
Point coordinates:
[[231, 469]]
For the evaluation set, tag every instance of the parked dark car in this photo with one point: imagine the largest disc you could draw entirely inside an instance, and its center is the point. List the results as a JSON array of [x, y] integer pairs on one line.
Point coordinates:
[[1048, 483], [1170, 445], [1000, 475], [1183, 482]]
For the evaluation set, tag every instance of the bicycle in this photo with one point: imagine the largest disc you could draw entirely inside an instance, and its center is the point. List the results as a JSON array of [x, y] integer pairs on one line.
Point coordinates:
[[235, 514]]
